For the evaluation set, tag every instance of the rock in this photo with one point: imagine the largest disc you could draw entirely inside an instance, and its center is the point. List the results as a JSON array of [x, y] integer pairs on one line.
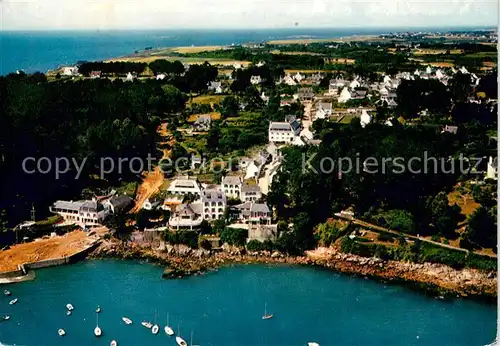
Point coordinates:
[[275, 254]]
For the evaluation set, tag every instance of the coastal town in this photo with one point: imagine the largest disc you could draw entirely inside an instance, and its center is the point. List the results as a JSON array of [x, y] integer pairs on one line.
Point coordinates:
[[249, 142]]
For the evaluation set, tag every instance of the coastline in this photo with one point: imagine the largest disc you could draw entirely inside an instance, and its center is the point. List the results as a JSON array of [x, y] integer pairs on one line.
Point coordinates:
[[434, 280]]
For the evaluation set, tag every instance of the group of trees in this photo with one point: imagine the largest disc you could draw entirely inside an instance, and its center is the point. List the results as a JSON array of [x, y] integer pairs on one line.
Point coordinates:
[[82, 121], [112, 68]]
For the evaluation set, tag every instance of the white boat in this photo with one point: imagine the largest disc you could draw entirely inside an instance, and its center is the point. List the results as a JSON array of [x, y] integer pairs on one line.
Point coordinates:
[[97, 329], [312, 343], [156, 328], [13, 301], [98, 310], [266, 315], [127, 320], [147, 324], [113, 343], [61, 332], [68, 312], [6, 292], [180, 341], [4, 318], [69, 307], [169, 331]]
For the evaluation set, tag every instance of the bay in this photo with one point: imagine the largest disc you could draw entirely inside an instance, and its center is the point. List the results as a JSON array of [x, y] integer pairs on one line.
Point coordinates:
[[225, 308]]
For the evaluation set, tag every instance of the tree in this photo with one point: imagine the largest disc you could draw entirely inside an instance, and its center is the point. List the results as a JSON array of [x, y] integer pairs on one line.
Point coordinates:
[[229, 107], [481, 228], [234, 236], [173, 99]]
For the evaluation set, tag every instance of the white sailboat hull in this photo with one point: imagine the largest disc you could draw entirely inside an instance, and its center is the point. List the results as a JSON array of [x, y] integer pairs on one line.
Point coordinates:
[[169, 331], [180, 341], [127, 320], [97, 331], [155, 329]]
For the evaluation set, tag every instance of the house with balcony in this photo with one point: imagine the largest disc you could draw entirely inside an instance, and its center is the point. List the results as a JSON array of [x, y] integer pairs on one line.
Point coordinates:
[[82, 213], [214, 203], [186, 217], [253, 213], [284, 132], [250, 193], [231, 185]]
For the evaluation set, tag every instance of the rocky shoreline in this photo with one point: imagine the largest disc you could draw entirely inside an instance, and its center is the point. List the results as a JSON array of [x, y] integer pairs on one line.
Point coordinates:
[[433, 279]]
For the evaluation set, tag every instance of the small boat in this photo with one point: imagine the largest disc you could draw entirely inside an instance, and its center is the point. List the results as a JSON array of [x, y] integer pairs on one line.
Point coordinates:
[[127, 320], [6, 292], [4, 318], [69, 307], [169, 331], [266, 315], [98, 310], [180, 341], [156, 328], [113, 343], [310, 343], [97, 329], [68, 312], [13, 301], [61, 332], [147, 324]]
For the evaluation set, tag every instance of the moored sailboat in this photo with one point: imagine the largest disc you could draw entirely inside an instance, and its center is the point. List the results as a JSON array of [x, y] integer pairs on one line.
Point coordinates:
[[169, 331], [97, 329], [266, 315], [126, 320], [180, 341]]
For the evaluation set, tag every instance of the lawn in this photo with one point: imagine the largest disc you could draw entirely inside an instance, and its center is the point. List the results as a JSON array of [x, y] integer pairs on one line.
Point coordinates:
[[208, 99]]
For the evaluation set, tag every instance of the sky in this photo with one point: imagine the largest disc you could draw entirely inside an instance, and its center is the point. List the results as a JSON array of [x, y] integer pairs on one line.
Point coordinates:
[[165, 14]]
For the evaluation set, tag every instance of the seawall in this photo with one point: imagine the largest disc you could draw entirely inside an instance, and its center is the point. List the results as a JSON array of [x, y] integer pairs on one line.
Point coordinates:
[[25, 270]]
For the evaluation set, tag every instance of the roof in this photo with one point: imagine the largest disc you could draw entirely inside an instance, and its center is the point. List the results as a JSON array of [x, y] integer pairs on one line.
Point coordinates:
[[213, 195], [253, 207], [232, 180], [279, 126], [68, 205], [250, 188], [120, 201]]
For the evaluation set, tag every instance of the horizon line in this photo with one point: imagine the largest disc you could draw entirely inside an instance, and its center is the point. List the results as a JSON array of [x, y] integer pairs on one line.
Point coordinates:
[[491, 27]]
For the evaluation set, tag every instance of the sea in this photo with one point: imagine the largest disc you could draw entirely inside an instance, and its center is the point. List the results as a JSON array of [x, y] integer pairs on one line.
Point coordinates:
[[225, 308], [33, 51]]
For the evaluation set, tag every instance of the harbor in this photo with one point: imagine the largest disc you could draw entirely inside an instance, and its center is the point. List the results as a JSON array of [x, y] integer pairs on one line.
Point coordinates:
[[227, 308]]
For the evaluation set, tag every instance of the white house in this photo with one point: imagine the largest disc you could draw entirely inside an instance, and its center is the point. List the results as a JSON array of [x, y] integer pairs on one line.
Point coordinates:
[[214, 203], [289, 81], [231, 185], [83, 213], [284, 132], [492, 170], [150, 205], [344, 96], [130, 77], [250, 193], [256, 213], [365, 118], [216, 87], [183, 186], [254, 167], [255, 80], [354, 84], [186, 216], [323, 110], [70, 71], [298, 77]]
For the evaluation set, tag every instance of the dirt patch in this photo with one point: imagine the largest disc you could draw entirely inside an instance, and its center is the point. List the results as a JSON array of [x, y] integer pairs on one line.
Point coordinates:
[[464, 201], [196, 49], [213, 115], [44, 249]]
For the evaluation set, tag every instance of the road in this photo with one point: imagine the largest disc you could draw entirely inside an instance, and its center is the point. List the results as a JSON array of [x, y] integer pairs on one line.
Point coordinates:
[[412, 237]]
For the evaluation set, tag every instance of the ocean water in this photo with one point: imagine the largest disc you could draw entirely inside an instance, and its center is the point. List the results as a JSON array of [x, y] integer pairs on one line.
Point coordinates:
[[33, 51], [224, 308]]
